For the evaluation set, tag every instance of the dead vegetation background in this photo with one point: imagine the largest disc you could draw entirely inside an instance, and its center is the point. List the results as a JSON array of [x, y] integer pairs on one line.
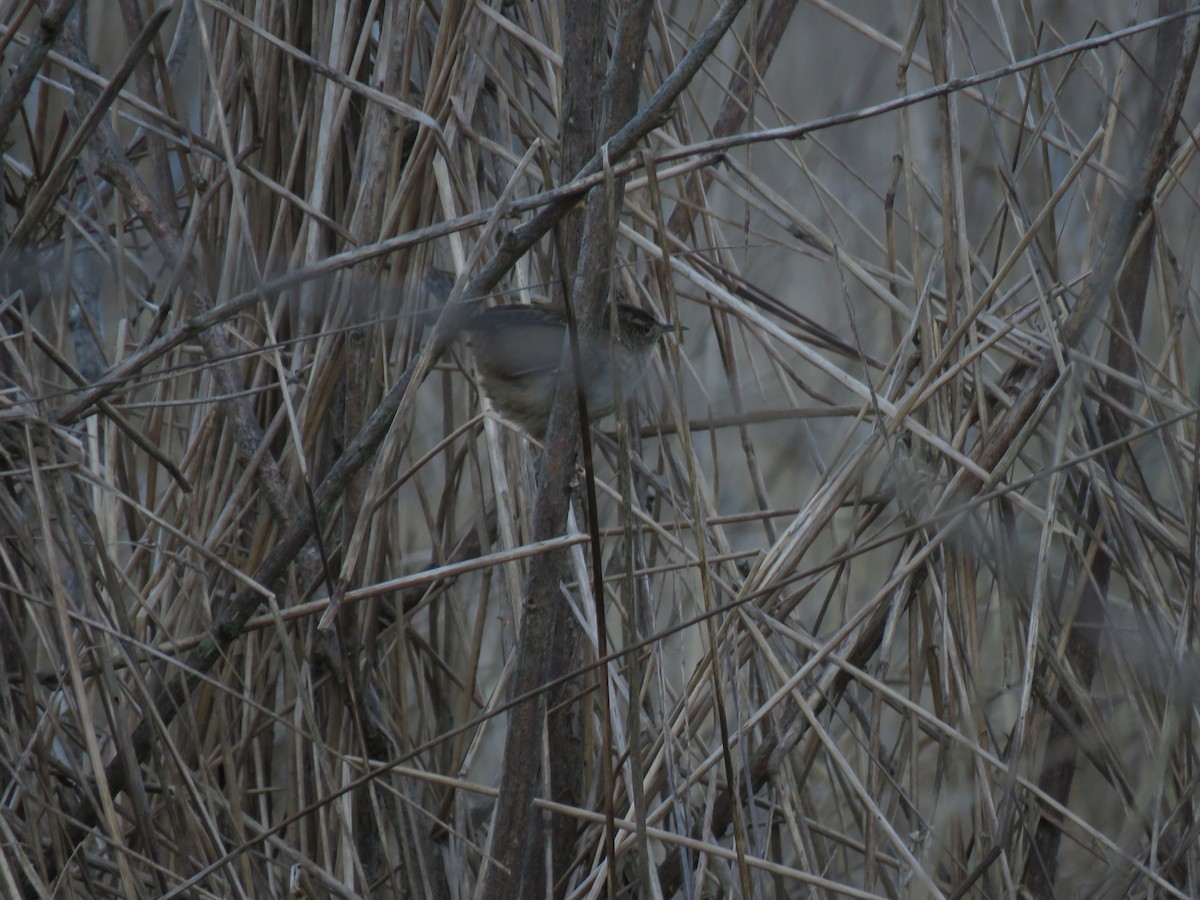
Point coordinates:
[[898, 547]]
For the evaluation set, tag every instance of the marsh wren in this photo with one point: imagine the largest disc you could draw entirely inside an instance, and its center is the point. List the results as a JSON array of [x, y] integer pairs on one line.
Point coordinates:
[[518, 350]]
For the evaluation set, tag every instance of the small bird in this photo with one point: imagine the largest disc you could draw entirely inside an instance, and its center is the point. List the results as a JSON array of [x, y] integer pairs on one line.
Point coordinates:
[[518, 349]]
